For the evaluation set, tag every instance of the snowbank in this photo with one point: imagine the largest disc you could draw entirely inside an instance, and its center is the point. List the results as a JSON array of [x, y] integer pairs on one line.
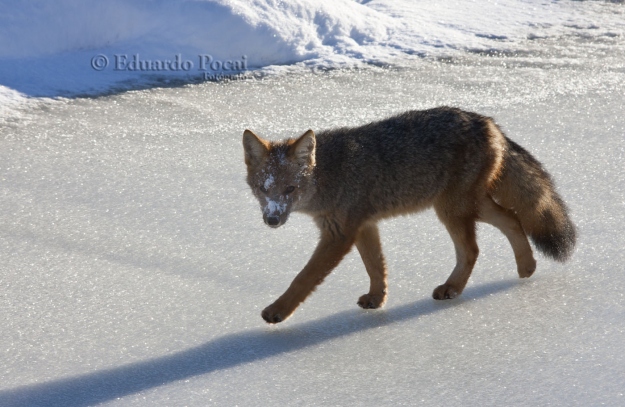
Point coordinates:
[[74, 47]]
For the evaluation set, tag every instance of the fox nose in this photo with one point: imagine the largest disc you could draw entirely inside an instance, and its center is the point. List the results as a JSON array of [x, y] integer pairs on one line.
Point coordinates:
[[272, 220]]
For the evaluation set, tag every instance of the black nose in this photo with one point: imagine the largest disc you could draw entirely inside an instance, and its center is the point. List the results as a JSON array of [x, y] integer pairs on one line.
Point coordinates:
[[272, 220]]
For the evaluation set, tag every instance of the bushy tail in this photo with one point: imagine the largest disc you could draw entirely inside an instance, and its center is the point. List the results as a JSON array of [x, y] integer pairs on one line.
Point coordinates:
[[526, 188]]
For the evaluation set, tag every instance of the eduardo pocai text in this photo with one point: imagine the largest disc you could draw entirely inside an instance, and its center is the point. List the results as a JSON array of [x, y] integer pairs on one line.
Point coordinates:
[[202, 64]]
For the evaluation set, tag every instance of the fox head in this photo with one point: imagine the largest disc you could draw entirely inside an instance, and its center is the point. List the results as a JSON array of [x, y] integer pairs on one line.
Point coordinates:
[[280, 174]]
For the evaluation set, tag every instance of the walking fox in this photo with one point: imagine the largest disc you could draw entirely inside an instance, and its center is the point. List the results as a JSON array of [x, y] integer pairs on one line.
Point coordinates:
[[348, 179]]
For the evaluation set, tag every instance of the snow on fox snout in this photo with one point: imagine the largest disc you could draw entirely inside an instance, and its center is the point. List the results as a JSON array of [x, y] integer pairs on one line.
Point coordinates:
[[275, 202], [275, 212]]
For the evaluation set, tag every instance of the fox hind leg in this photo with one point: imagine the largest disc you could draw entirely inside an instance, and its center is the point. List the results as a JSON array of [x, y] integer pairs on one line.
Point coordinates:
[[370, 249], [462, 232], [508, 223]]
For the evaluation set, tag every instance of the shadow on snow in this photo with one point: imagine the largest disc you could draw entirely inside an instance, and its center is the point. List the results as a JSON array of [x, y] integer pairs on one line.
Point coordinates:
[[224, 353]]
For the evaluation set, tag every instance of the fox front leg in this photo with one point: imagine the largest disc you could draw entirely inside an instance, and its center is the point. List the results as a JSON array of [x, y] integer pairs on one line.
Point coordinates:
[[329, 252]]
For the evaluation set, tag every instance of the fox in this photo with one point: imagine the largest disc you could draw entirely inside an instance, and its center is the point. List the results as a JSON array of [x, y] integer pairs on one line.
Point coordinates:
[[349, 178]]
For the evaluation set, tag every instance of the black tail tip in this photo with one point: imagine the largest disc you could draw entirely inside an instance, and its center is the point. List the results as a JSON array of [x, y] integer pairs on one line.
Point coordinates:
[[560, 245]]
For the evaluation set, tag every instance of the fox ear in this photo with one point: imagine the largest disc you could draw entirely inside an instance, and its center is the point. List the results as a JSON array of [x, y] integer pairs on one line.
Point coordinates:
[[256, 149], [303, 149]]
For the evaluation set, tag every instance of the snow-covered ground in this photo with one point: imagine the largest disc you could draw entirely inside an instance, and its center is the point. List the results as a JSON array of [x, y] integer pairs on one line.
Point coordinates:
[[78, 47], [135, 262]]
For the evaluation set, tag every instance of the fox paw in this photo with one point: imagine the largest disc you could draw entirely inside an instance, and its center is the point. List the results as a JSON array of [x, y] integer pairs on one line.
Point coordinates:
[[274, 314], [445, 292], [526, 269], [371, 301]]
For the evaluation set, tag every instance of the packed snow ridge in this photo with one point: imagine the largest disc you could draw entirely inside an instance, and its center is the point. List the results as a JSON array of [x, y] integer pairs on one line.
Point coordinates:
[[69, 48]]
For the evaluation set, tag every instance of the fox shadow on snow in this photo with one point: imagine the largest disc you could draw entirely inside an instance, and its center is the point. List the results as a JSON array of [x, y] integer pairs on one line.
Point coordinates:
[[225, 352]]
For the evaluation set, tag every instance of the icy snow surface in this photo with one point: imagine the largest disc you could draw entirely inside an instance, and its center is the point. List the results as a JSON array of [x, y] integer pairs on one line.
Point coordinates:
[[135, 262]]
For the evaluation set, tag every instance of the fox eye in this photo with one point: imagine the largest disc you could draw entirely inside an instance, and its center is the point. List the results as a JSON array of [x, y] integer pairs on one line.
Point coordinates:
[[263, 189], [290, 189]]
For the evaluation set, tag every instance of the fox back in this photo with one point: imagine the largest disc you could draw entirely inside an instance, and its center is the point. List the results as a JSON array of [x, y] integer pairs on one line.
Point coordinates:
[[387, 167]]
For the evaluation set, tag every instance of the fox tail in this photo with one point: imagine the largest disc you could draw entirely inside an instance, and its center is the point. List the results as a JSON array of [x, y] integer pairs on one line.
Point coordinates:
[[526, 188]]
